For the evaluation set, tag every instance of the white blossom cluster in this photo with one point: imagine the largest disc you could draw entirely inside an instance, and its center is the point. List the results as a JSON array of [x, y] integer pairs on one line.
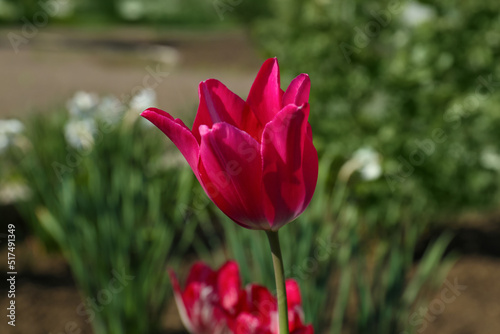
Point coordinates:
[[87, 111], [10, 131]]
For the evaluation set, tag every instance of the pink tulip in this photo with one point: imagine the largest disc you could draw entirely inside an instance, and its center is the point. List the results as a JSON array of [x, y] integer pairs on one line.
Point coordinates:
[[255, 159], [209, 298], [214, 303], [259, 313]]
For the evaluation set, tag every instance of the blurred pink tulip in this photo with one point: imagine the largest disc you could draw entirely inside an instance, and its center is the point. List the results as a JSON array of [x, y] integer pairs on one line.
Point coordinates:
[[255, 159], [213, 302], [259, 312], [209, 298]]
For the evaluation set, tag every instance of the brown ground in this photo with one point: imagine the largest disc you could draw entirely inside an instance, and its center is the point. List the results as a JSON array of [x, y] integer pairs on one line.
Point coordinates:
[[56, 63]]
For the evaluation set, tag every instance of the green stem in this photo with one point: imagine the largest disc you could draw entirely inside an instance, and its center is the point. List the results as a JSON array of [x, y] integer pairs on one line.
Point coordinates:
[[279, 274]]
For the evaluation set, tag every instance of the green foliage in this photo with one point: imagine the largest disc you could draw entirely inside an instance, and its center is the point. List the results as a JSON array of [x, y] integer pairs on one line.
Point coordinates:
[[334, 241], [424, 94], [248, 11], [111, 209], [172, 12]]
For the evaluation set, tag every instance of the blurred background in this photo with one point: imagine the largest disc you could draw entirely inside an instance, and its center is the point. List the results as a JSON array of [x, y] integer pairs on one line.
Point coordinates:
[[402, 233]]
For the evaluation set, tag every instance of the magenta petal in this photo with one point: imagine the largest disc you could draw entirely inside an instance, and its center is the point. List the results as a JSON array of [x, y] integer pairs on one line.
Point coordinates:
[[201, 273], [230, 170], [293, 293], [228, 286], [179, 300], [247, 323], [178, 133], [288, 154], [193, 298], [304, 330], [298, 91], [261, 302], [219, 104], [266, 95]]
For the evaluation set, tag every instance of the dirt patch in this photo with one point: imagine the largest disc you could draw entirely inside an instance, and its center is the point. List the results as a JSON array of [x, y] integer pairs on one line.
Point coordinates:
[[57, 62]]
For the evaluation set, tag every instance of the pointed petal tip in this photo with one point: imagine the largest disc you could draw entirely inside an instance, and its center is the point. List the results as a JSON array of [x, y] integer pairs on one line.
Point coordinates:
[[208, 82], [146, 112], [273, 60], [174, 281], [298, 91], [152, 112], [265, 96], [304, 76]]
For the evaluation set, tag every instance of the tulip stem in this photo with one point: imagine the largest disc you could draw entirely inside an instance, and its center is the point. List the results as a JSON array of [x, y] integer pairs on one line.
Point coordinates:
[[280, 281]]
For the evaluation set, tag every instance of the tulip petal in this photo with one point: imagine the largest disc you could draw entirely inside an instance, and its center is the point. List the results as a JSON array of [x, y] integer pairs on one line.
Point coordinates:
[[304, 330], [293, 293], [180, 301], [298, 91], [288, 155], [200, 273], [228, 286], [230, 170], [246, 323], [295, 318], [178, 133], [266, 95], [219, 104], [294, 301], [261, 303]]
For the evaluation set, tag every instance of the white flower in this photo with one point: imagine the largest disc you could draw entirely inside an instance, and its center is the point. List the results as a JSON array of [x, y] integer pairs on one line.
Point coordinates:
[[368, 161], [416, 13], [10, 129], [365, 160], [14, 192], [11, 126], [80, 133], [110, 109], [82, 104], [490, 158], [144, 99]]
